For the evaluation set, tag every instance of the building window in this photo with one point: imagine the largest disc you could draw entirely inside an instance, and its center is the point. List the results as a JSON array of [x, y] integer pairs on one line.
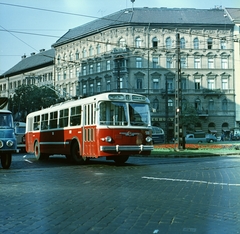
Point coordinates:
[[209, 43], [196, 43], [170, 84], [108, 65], [91, 51], [184, 83], [99, 87], [108, 47], [91, 69], [211, 105], [98, 67], [84, 89], [211, 83], [91, 89], [154, 42], [224, 105], [198, 104], [155, 84], [223, 45], [197, 83], [108, 85], [139, 83], [122, 42], [138, 42], [71, 57], [224, 83], [168, 43], [138, 62], [70, 73], [170, 104], [84, 53], [77, 72], [224, 63], [197, 62], [65, 75], [98, 49], [58, 60], [182, 43], [77, 55], [84, 70], [169, 63], [59, 75], [183, 62], [155, 62], [210, 62]]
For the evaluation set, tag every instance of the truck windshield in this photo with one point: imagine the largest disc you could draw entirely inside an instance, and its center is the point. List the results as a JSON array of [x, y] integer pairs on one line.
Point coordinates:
[[122, 114], [6, 120]]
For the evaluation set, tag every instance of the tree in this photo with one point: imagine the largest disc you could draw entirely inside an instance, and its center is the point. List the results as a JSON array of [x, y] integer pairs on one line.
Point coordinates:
[[29, 98], [189, 116]]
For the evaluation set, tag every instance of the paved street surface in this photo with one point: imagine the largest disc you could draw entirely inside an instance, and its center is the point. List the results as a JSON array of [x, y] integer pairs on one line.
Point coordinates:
[[146, 195]]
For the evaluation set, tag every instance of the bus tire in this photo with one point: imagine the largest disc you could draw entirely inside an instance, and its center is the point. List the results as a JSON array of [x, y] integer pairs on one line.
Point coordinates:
[[121, 159], [75, 153], [39, 156], [6, 160]]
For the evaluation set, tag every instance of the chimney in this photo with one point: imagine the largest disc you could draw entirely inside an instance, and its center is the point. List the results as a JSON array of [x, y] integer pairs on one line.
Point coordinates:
[[33, 53], [42, 50], [24, 56]]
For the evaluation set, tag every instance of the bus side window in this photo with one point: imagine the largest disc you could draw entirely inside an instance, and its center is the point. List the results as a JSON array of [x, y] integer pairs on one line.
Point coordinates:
[[63, 118], [75, 116], [36, 123], [53, 120], [44, 123]]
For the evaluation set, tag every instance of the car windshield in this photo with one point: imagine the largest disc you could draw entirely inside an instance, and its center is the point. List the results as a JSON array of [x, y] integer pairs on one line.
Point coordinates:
[[6, 120]]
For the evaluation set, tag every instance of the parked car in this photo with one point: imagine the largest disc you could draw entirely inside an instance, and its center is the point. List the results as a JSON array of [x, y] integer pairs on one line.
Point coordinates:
[[211, 138], [157, 135], [20, 128]]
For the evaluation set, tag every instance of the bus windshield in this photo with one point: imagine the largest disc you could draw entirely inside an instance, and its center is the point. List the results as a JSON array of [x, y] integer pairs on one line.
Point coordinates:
[[122, 114], [6, 120]]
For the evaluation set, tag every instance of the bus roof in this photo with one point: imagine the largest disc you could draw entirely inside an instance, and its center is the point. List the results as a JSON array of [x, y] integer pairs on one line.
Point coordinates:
[[113, 96]]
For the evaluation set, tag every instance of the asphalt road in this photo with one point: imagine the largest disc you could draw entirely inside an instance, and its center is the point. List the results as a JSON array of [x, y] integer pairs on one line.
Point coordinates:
[[146, 195]]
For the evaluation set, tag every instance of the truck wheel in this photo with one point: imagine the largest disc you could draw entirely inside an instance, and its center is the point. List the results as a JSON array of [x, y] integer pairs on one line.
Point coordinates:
[[6, 160]]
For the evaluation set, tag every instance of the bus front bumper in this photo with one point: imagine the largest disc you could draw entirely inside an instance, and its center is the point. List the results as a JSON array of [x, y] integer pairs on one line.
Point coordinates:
[[119, 148]]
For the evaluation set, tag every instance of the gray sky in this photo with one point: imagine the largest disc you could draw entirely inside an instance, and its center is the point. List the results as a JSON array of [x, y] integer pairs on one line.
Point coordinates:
[[21, 18]]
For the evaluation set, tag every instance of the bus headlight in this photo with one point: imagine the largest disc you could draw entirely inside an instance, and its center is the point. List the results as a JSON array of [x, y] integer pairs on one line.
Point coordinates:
[[108, 139], [9, 143], [148, 139], [1, 144]]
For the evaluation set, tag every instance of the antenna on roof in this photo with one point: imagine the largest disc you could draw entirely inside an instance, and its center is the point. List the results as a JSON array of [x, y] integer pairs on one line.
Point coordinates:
[[132, 3]]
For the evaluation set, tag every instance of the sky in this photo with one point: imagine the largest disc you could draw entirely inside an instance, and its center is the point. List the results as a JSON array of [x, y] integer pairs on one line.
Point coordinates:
[[27, 26]]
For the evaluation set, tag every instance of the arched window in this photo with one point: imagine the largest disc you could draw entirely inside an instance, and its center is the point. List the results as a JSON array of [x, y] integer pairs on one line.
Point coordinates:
[[138, 42], [198, 105], [71, 57], [77, 55], [84, 53], [98, 49], [155, 104], [196, 43], [91, 51], [168, 43], [182, 43], [122, 42], [154, 42]]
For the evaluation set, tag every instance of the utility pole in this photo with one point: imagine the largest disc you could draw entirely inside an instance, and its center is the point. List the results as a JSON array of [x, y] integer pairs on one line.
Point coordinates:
[[178, 130]]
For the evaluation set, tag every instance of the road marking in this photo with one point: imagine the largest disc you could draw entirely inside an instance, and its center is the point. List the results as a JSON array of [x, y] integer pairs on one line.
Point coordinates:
[[26, 160], [189, 181]]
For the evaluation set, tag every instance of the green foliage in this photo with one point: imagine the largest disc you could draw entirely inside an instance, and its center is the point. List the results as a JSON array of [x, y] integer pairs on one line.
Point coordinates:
[[29, 98], [189, 115]]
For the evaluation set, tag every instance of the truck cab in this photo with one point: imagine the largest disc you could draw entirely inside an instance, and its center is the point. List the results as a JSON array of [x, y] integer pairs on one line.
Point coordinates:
[[8, 143]]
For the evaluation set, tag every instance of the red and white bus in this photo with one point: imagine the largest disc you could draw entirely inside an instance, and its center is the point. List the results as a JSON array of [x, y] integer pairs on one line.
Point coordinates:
[[111, 125]]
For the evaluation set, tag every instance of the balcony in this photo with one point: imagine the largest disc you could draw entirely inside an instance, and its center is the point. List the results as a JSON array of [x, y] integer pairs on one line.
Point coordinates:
[[212, 92]]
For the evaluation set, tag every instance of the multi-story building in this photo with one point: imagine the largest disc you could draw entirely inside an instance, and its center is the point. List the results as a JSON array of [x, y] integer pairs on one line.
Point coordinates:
[[36, 69], [234, 14], [135, 50]]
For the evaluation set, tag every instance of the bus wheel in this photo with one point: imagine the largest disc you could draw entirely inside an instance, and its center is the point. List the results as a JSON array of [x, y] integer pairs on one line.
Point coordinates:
[[120, 159], [39, 156], [75, 154], [6, 160]]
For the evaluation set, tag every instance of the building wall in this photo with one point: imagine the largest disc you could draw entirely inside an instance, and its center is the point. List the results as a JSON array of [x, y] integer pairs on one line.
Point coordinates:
[[131, 52]]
